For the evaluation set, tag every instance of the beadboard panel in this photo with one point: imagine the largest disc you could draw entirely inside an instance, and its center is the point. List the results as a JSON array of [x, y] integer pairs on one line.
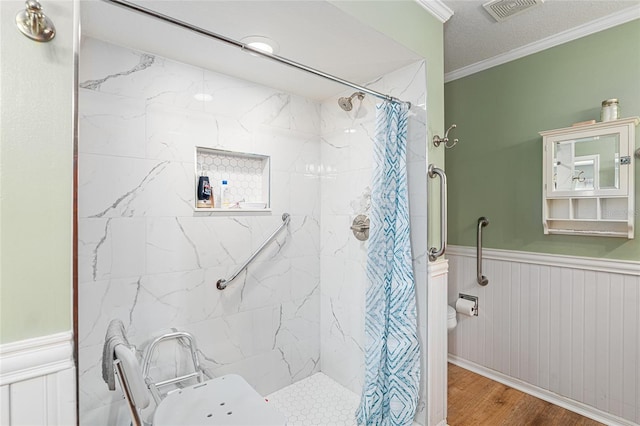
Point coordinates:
[[5, 402], [563, 327], [38, 382], [437, 342]]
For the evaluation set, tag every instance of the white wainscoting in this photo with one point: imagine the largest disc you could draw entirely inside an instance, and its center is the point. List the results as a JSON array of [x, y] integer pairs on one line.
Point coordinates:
[[566, 327], [437, 343], [37, 381]]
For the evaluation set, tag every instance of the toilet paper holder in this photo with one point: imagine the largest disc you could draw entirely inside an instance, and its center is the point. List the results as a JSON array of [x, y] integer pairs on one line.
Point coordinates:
[[474, 299]]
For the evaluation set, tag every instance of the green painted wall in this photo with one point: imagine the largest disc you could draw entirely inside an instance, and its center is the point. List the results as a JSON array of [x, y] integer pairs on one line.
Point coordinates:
[[36, 165], [496, 168], [408, 23]]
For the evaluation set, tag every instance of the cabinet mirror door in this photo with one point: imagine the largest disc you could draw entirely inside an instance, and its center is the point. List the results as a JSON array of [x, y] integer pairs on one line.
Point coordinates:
[[590, 163]]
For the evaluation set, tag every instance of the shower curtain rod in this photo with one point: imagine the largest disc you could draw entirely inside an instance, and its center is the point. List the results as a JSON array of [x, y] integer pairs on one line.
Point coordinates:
[[132, 6]]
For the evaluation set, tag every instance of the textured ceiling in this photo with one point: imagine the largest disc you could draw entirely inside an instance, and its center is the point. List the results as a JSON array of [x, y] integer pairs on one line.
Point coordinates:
[[472, 35]]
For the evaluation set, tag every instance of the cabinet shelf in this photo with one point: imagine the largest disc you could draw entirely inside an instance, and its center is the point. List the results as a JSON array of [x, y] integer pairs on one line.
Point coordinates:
[[590, 232], [588, 179], [586, 220]]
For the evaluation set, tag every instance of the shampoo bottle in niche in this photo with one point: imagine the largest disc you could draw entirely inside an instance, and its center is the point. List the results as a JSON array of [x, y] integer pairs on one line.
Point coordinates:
[[205, 198], [224, 194]]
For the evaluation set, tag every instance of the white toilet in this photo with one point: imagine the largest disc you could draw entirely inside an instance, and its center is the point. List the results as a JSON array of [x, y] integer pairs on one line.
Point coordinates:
[[451, 318]]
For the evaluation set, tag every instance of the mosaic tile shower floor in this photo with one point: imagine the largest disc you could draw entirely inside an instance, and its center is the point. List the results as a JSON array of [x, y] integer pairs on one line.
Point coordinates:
[[316, 400]]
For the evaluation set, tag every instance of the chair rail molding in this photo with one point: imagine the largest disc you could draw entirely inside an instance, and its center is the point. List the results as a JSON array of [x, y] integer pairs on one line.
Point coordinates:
[[626, 267], [36, 357]]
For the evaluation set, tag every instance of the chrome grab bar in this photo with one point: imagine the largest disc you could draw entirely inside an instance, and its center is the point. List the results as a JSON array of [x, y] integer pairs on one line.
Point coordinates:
[[222, 282], [482, 280], [435, 253]]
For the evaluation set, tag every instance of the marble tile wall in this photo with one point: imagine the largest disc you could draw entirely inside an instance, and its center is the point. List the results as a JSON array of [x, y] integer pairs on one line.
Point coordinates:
[[346, 153], [147, 258]]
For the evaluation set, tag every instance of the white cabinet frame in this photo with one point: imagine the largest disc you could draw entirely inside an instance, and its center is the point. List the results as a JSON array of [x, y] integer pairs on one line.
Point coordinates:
[[576, 209]]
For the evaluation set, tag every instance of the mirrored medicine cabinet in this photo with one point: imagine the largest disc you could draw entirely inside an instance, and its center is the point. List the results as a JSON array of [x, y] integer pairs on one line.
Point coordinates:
[[588, 179]]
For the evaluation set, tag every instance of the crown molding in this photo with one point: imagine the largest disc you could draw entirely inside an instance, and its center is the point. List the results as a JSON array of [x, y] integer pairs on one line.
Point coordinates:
[[575, 33], [437, 8]]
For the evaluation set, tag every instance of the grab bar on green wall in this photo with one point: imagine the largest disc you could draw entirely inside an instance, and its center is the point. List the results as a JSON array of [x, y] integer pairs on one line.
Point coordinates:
[[482, 280], [435, 253]]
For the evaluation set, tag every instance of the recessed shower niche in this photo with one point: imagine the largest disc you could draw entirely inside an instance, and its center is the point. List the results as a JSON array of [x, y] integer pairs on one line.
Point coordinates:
[[236, 181]]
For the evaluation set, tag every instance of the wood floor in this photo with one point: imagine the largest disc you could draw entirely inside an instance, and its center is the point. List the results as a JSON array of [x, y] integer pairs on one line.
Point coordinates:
[[476, 400]]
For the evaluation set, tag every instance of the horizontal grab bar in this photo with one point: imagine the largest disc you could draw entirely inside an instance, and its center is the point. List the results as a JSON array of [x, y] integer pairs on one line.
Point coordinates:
[[222, 282]]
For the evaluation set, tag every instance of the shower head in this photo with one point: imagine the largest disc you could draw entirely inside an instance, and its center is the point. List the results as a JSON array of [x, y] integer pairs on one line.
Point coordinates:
[[347, 104]]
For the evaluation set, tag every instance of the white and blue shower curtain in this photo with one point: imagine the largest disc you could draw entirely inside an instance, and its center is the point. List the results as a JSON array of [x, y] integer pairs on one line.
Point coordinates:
[[392, 350]]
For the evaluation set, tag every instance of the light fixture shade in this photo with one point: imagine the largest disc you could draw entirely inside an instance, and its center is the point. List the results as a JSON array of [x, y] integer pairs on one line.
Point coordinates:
[[261, 43]]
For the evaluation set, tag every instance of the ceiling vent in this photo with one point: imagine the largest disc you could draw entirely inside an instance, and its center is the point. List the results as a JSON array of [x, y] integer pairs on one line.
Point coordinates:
[[504, 9]]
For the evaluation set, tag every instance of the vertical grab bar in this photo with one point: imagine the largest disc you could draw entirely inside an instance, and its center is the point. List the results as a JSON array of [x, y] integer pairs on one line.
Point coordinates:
[[435, 253], [482, 280]]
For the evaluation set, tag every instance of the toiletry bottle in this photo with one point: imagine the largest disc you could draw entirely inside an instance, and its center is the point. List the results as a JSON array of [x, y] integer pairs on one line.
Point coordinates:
[[224, 194], [204, 192]]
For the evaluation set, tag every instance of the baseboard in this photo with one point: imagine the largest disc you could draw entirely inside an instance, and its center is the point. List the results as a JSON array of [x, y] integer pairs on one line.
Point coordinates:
[[40, 356], [561, 401]]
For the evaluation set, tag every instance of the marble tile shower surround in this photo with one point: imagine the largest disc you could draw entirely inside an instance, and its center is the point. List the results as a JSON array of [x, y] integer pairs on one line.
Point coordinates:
[[147, 258]]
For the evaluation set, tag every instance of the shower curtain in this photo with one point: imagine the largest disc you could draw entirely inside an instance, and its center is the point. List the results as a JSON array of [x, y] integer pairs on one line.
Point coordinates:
[[392, 350]]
